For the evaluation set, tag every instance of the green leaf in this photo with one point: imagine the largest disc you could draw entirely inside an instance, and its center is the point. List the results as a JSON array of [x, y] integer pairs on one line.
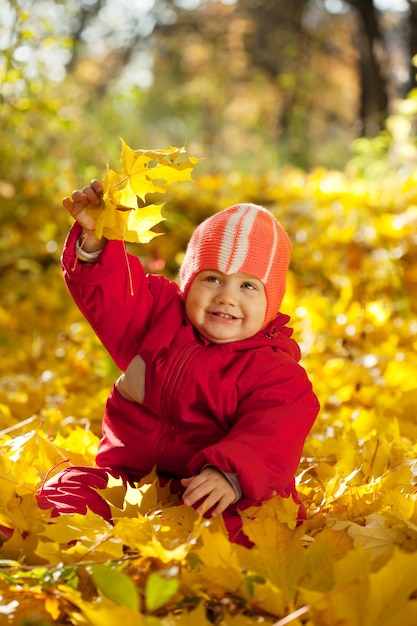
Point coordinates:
[[116, 586], [159, 590], [250, 582], [62, 574]]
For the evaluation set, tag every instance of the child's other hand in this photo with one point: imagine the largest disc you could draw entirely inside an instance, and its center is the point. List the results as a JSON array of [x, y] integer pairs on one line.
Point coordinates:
[[77, 205], [212, 488]]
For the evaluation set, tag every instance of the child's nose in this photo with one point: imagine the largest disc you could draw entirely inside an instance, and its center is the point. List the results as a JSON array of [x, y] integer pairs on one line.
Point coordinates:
[[226, 295]]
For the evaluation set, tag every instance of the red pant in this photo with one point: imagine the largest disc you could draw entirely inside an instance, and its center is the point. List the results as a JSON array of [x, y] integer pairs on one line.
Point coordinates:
[[74, 489]]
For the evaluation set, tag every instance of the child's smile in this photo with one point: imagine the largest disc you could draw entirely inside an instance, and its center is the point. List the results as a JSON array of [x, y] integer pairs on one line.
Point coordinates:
[[224, 315], [225, 308]]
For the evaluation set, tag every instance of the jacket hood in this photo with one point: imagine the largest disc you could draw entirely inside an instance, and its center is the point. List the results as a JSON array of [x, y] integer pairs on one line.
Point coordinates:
[[278, 335]]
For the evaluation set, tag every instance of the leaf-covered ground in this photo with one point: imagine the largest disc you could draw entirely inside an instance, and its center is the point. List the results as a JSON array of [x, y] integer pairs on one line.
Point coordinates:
[[352, 297]]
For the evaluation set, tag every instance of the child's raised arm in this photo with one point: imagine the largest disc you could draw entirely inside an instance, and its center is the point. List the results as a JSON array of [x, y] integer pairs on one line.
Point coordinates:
[[77, 205]]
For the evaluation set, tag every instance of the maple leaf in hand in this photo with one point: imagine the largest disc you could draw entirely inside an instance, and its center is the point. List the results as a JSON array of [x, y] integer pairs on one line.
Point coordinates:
[[133, 198]]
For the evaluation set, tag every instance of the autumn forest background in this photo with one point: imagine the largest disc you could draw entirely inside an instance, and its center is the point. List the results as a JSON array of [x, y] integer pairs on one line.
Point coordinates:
[[309, 108]]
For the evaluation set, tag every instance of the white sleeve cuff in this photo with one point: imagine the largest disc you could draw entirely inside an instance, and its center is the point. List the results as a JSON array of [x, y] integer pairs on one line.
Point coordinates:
[[82, 255]]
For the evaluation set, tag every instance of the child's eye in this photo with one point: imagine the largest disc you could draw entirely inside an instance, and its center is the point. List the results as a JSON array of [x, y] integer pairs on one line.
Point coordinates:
[[248, 285], [212, 279]]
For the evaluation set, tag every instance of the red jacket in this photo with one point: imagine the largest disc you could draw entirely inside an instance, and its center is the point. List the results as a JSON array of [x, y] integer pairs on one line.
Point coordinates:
[[244, 407]]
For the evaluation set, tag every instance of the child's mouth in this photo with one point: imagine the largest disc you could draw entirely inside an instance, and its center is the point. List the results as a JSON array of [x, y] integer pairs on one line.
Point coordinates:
[[226, 316]]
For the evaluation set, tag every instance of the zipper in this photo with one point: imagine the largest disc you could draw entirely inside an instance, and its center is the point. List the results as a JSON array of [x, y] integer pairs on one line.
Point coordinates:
[[166, 403], [176, 373]]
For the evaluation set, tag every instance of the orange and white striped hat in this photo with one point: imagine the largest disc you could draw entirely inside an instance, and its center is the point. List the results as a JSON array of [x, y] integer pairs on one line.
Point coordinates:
[[246, 239]]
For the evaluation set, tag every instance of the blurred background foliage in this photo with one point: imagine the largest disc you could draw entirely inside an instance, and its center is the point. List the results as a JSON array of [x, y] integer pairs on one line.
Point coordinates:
[[307, 107]]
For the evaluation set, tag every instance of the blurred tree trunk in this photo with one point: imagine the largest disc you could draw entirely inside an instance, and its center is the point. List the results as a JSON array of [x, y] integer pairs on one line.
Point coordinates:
[[372, 57], [83, 19], [279, 47], [412, 21], [277, 26], [276, 41]]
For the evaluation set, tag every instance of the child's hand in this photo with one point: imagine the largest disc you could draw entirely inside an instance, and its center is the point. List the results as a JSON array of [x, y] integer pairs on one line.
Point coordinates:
[[89, 197], [211, 487]]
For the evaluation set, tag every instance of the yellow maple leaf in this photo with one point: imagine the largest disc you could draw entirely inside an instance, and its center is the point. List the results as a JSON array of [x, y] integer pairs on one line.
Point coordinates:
[[365, 598], [285, 510], [127, 501], [101, 612], [153, 493], [160, 536], [279, 555], [10, 479], [79, 446], [347, 602], [391, 592], [72, 538], [327, 547], [76, 527], [227, 567], [381, 534], [129, 209]]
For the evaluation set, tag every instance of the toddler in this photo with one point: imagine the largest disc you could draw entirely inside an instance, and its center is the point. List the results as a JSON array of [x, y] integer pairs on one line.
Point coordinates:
[[212, 393]]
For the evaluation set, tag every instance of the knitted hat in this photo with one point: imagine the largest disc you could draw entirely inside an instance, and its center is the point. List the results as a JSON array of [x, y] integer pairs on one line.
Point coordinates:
[[247, 239]]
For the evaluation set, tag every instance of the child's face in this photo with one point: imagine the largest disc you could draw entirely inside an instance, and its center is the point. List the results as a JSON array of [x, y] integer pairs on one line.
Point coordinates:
[[225, 308]]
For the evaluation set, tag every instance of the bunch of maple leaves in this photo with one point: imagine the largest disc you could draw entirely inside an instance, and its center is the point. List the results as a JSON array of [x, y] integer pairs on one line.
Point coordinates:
[[354, 561]]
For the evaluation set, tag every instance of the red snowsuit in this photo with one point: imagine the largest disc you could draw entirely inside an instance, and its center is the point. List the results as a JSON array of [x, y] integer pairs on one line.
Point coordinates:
[[244, 407]]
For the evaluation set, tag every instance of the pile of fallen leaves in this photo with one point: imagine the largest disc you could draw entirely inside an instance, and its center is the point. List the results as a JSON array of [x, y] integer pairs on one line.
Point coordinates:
[[354, 562]]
